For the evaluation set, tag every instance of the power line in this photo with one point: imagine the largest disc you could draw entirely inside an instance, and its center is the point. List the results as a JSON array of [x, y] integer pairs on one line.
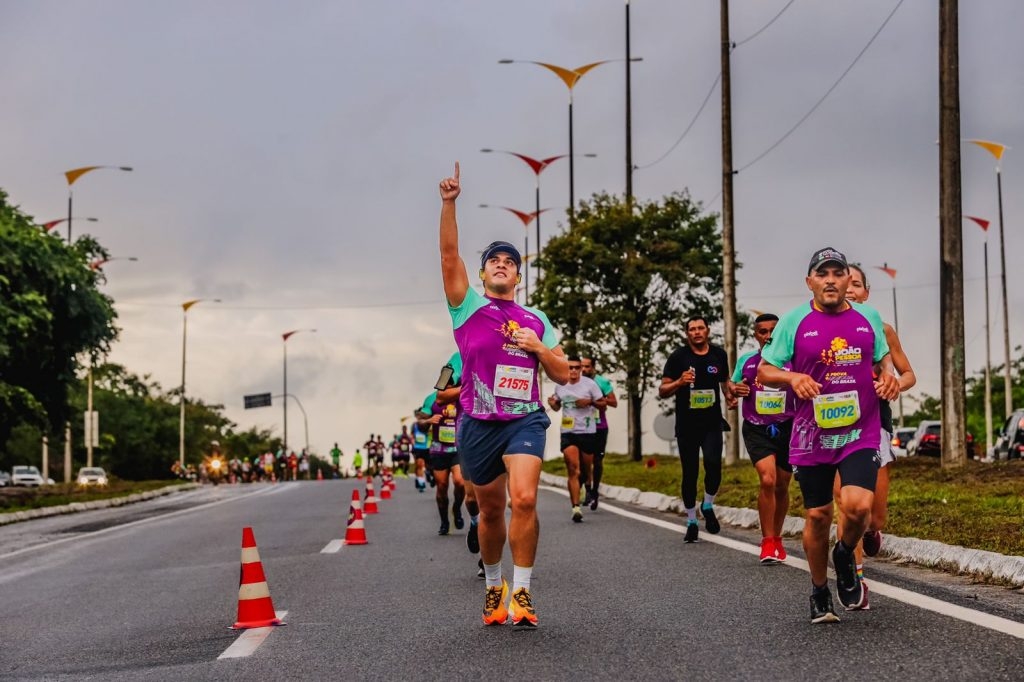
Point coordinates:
[[349, 306], [827, 92], [763, 28]]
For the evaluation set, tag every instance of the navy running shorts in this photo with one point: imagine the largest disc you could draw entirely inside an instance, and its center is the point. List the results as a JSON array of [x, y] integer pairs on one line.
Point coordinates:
[[482, 444]]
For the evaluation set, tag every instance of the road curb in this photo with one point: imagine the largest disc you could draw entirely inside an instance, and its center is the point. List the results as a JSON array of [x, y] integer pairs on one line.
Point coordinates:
[[975, 562], [74, 507]]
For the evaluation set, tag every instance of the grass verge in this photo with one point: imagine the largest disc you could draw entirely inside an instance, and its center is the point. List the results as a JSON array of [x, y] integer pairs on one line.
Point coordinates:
[[980, 506], [22, 499]]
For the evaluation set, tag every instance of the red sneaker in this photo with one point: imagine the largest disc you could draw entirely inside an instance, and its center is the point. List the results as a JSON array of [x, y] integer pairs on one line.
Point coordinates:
[[768, 551], [780, 550]]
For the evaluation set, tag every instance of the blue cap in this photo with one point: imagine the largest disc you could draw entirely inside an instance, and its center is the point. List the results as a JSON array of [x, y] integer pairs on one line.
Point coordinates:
[[501, 247]]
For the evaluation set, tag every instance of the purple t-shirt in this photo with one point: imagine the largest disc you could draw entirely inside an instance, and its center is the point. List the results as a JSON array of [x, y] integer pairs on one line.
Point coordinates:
[[499, 380], [838, 350], [764, 405], [443, 433]]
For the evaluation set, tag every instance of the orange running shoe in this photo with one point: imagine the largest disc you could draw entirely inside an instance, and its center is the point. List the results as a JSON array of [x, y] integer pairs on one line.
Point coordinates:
[[495, 612], [520, 609]]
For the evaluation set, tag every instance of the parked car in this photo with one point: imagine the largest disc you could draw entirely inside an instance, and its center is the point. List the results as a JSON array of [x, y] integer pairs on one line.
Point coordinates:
[[27, 476], [5, 479], [900, 440], [1010, 440], [92, 476], [927, 441]]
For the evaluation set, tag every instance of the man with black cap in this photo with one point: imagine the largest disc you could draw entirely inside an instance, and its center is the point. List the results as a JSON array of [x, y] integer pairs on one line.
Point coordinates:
[[833, 348], [502, 433]]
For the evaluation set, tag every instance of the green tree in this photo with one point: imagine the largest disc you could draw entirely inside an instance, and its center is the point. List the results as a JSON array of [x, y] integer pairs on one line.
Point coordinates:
[[51, 314], [620, 284]]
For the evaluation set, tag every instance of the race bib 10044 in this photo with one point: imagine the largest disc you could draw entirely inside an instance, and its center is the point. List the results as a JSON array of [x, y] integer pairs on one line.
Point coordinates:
[[837, 410], [701, 398], [770, 402], [513, 382]]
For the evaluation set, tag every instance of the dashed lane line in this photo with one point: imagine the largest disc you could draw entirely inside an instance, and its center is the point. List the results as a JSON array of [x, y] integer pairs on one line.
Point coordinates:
[[333, 547], [249, 640]]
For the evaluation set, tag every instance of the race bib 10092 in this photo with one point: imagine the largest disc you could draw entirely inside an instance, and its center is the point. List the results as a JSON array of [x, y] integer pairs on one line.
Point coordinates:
[[837, 410]]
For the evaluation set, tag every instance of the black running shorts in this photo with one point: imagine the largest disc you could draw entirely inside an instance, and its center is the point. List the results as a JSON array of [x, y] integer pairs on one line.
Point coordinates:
[[765, 441], [859, 468]]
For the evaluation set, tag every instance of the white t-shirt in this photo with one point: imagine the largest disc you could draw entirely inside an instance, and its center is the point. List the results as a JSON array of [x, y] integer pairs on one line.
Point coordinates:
[[579, 419]]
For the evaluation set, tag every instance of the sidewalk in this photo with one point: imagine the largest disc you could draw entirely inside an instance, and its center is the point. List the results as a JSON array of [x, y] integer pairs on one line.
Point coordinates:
[[952, 558]]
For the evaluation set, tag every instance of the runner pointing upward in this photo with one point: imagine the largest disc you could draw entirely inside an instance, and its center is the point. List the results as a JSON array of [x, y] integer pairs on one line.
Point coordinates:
[[502, 433]]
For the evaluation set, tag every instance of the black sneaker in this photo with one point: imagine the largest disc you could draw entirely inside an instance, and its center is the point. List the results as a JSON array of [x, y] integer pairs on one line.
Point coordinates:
[[822, 610], [473, 540], [444, 529], [691, 532], [459, 522], [872, 542], [848, 584], [586, 497], [710, 520], [430, 478], [480, 573], [593, 501]]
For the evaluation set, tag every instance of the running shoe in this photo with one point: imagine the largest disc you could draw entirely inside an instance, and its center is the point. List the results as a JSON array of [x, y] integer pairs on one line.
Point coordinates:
[[848, 585], [822, 610], [473, 539], [480, 573], [864, 606], [586, 497], [769, 554], [691, 531], [459, 521], [577, 514], [710, 520], [520, 609], [593, 500], [872, 542], [430, 478], [495, 612], [443, 530], [780, 550]]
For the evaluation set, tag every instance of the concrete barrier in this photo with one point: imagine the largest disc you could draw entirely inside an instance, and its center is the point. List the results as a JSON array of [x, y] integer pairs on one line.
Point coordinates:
[[42, 512]]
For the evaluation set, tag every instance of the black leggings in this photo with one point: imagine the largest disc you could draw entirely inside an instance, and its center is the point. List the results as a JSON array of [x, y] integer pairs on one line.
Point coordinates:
[[691, 442]]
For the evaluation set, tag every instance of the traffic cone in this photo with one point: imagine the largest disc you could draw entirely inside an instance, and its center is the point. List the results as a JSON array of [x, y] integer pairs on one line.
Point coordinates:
[[385, 487], [370, 501], [255, 609], [356, 504], [355, 533], [319, 474]]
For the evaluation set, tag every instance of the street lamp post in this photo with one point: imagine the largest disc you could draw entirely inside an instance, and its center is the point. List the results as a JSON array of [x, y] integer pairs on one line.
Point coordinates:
[[884, 267], [983, 224], [525, 218], [284, 339], [184, 337], [305, 419], [997, 149], [570, 77], [100, 262], [49, 225], [76, 173]]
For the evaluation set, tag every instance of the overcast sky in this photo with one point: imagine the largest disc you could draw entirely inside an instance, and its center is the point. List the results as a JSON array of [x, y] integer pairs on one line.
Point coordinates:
[[287, 157]]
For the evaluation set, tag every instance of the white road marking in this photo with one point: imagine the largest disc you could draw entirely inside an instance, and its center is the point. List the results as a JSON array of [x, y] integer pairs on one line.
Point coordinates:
[[249, 640], [333, 547], [921, 601], [89, 536]]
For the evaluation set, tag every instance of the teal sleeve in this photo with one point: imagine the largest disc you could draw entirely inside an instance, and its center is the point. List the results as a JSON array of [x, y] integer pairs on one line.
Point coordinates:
[[549, 340], [872, 316], [779, 349], [605, 385], [473, 302], [737, 374], [428, 402], [456, 362]]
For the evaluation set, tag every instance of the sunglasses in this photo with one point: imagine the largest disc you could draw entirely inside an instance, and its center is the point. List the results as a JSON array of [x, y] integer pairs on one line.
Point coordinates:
[[575, 367]]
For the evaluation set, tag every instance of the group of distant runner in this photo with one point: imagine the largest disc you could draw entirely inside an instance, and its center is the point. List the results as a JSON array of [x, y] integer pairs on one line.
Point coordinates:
[[815, 406]]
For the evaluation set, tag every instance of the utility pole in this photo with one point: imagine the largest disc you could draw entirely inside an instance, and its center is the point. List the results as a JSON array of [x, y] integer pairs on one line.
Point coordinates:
[[629, 119], [951, 276], [732, 451]]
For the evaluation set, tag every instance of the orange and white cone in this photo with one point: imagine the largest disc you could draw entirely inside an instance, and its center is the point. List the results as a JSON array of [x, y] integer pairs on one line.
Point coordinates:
[[356, 503], [319, 474], [385, 490], [355, 533], [255, 609], [370, 501], [391, 482]]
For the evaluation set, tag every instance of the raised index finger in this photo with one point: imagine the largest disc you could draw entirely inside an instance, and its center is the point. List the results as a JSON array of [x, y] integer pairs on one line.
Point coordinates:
[[456, 170]]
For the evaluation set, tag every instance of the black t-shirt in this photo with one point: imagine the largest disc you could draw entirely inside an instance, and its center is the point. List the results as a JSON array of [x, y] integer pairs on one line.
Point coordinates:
[[701, 405]]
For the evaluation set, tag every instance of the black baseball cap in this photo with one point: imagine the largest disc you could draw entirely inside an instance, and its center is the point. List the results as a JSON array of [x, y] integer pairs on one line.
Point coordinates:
[[502, 247], [826, 255]]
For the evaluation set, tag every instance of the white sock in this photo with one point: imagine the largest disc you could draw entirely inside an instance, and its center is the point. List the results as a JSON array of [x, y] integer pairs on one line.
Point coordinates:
[[691, 515], [521, 577], [492, 574], [709, 500]]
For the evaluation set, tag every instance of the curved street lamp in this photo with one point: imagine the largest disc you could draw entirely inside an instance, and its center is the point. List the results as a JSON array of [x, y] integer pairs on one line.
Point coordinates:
[[525, 218], [997, 149], [284, 339], [100, 262], [983, 224], [884, 267], [184, 336], [76, 173], [47, 226]]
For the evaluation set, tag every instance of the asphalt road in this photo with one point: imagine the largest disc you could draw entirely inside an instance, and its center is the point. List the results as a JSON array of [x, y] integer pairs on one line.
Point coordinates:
[[82, 597]]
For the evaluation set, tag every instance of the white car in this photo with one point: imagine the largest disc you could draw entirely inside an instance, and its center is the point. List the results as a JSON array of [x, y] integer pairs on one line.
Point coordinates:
[[27, 476], [91, 476]]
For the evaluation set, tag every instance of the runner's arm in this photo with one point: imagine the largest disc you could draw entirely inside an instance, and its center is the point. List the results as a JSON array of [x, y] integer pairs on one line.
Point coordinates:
[[775, 377], [887, 386], [453, 268], [900, 360], [449, 395]]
